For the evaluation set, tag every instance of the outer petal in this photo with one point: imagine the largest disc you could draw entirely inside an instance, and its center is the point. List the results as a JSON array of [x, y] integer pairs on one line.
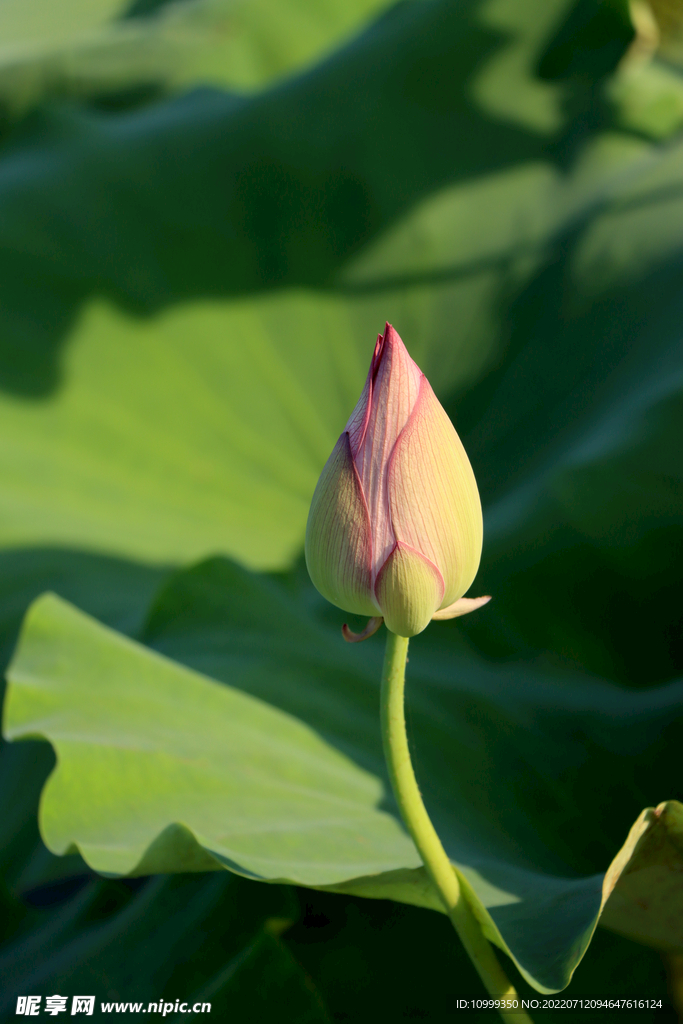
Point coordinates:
[[433, 495], [338, 542], [409, 589]]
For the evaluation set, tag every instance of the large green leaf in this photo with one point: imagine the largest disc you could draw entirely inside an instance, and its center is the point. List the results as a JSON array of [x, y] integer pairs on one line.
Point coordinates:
[[209, 937], [87, 52], [187, 775], [297, 809], [118, 593], [223, 454]]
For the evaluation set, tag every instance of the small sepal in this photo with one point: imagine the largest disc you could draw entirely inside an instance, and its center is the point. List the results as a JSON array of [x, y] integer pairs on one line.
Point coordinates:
[[408, 589], [370, 630], [463, 606]]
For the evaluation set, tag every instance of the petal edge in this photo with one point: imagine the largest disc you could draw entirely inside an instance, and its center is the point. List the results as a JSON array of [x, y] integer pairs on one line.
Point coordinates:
[[338, 540]]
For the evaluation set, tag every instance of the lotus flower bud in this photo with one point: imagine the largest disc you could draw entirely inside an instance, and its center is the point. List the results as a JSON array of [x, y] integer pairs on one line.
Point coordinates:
[[395, 525]]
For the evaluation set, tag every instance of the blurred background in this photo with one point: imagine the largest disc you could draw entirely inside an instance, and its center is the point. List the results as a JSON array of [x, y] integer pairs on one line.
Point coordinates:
[[208, 209]]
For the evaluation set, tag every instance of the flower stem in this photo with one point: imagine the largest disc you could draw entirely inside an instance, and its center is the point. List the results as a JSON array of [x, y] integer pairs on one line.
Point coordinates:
[[423, 833]]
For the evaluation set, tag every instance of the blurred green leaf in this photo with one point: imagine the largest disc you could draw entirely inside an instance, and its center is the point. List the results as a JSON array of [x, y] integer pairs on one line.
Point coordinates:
[[649, 99], [374, 960], [574, 438], [223, 457], [25, 23], [87, 53], [201, 938], [249, 396]]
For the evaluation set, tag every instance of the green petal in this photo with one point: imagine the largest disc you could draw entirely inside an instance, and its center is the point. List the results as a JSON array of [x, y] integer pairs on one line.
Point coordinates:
[[433, 495], [409, 589], [338, 544]]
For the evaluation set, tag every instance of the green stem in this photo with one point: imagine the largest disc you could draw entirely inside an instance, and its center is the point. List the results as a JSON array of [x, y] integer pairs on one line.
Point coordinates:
[[417, 821]]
